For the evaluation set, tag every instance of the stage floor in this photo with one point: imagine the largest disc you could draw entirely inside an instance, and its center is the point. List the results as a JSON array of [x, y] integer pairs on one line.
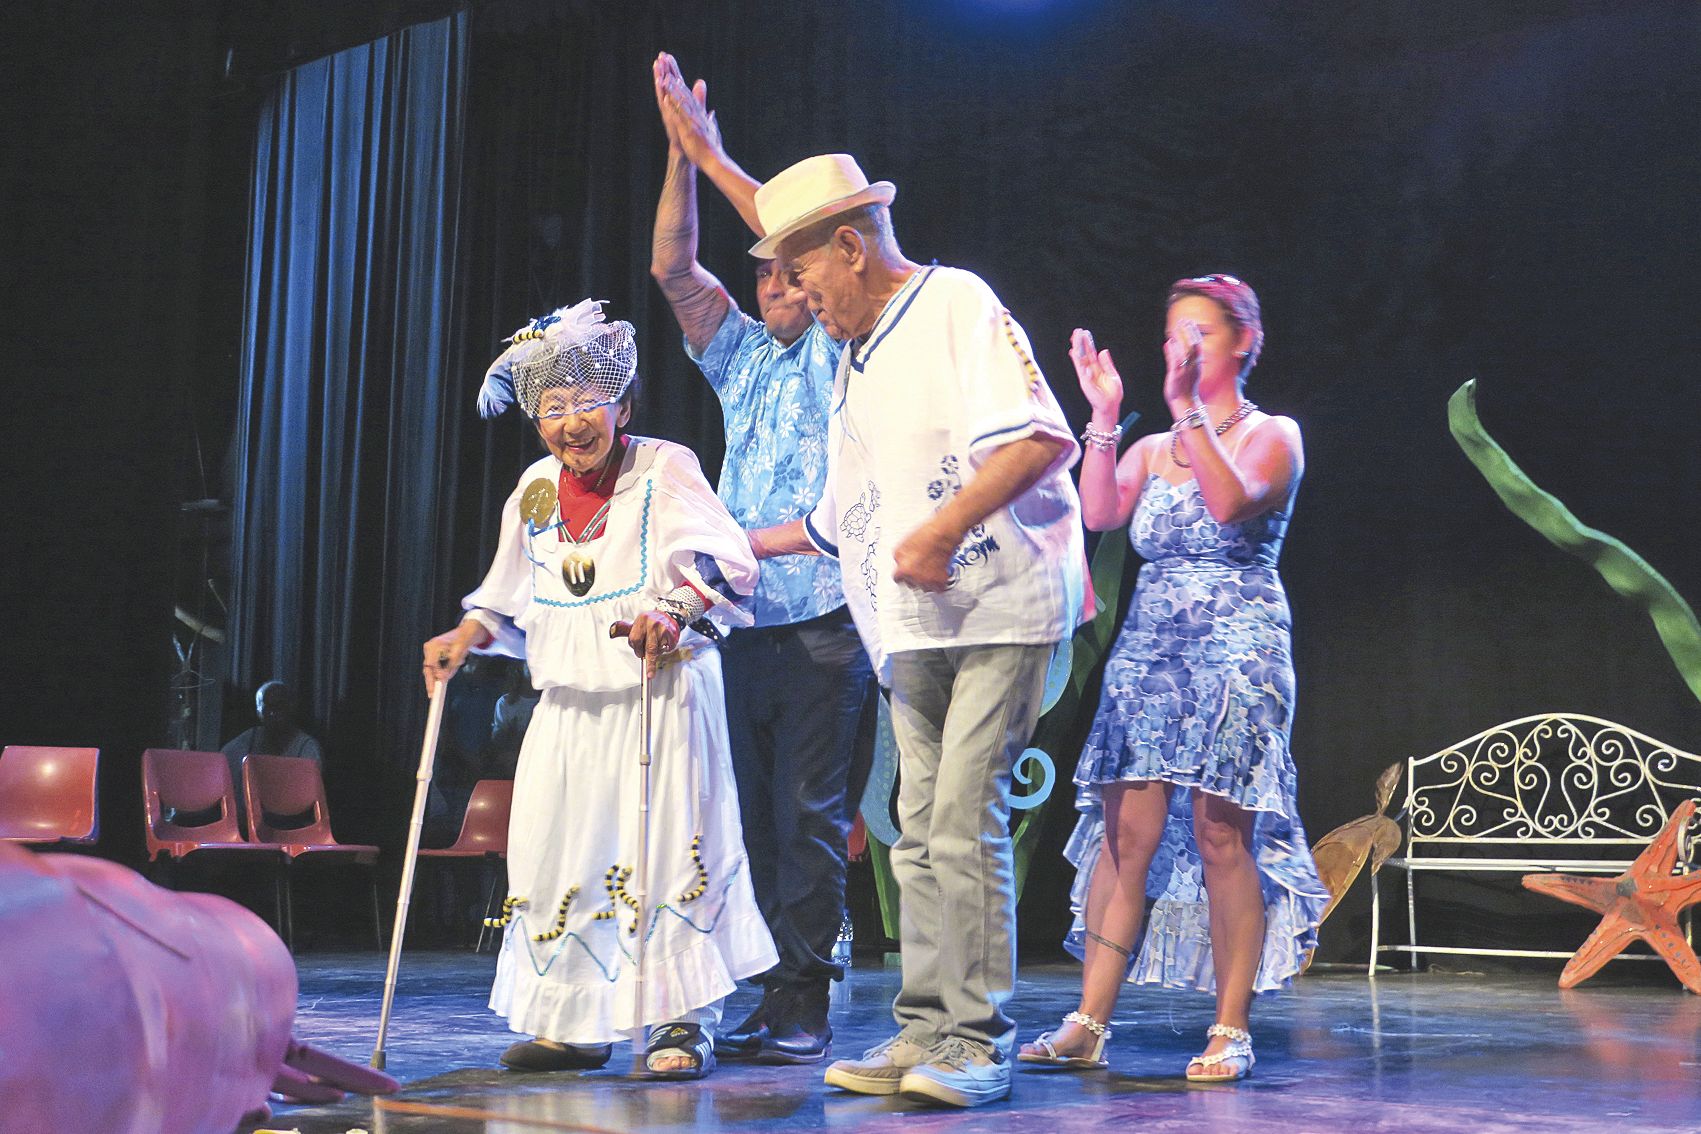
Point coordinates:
[[1418, 1054]]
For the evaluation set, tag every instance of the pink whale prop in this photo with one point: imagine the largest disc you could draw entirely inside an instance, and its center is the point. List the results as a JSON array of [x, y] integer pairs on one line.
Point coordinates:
[[129, 1009]]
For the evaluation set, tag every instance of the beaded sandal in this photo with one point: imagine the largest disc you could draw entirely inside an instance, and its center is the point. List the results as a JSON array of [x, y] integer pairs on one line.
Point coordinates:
[[1048, 1055], [1239, 1048]]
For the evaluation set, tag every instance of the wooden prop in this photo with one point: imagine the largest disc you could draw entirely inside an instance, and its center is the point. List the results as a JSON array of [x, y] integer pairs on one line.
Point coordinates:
[[1343, 852]]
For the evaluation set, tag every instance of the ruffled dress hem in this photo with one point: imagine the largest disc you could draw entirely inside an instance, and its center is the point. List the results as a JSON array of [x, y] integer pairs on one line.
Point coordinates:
[[600, 1010]]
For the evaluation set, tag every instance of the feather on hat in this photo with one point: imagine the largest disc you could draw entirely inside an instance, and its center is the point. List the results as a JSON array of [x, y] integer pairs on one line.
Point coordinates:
[[581, 343]]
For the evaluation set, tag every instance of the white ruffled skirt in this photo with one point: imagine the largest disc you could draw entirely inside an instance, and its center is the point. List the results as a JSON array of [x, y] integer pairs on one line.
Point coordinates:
[[567, 970]]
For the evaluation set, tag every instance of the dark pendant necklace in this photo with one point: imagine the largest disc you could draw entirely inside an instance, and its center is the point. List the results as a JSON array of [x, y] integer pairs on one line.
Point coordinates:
[[578, 567]]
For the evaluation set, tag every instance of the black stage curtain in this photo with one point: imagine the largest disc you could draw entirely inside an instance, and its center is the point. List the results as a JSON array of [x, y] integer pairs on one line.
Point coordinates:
[[1421, 194], [105, 167], [341, 488]]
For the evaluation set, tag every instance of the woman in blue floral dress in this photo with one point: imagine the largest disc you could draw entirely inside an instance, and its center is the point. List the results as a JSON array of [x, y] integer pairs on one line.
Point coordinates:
[[1186, 786]]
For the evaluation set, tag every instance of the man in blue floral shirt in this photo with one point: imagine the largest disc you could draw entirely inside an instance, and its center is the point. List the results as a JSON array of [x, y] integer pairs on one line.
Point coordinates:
[[799, 688]]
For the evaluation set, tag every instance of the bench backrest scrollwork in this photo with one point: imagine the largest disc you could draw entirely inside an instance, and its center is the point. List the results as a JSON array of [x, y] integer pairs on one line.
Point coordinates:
[[1556, 779]]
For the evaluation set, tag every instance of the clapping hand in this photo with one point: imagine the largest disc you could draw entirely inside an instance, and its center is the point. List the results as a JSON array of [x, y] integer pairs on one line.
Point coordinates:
[[691, 127], [1181, 364], [1098, 376]]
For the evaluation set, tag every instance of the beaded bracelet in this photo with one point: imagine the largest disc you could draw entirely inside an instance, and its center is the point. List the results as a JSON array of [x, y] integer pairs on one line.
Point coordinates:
[[676, 610], [1105, 439], [683, 604], [1192, 419], [690, 602], [1198, 412]]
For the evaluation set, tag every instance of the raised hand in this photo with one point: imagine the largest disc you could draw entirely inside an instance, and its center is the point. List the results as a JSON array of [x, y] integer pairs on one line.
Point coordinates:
[[691, 127], [1099, 379], [1181, 365]]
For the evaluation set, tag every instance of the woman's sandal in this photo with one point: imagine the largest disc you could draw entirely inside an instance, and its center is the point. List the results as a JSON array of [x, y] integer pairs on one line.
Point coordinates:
[[1049, 1057], [1239, 1048], [687, 1041]]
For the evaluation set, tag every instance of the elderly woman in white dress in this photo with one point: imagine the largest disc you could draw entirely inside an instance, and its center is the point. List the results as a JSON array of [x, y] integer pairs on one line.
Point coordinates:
[[612, 530]]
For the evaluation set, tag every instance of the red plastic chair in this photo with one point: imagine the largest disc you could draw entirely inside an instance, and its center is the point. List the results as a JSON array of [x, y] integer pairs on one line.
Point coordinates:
[[191, 785], [484, 836], [484, 829], [47, 796], [279, 788]]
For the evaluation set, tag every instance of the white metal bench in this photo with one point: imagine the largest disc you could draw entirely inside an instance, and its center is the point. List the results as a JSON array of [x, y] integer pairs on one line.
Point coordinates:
[[1555, 792]]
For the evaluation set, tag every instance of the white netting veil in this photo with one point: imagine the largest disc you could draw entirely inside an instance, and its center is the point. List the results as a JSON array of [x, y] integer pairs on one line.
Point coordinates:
[[566, 361], [594, 371]]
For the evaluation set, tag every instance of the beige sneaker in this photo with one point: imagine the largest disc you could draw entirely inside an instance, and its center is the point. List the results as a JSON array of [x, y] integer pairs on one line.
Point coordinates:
[[958, 1072], [880, 1069]]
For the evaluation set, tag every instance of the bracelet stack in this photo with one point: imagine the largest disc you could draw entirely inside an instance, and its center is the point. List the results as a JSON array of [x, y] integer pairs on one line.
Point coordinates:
[[1192, 419], [682, 604], [1105, 439], [1195, 419]]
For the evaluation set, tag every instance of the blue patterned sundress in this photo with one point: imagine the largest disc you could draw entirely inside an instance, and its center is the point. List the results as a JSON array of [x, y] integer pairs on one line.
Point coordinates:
[[1199, 693]]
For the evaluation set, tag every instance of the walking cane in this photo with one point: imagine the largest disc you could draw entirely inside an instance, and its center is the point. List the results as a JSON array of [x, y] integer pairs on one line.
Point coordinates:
[[422, 788], [642, 871]]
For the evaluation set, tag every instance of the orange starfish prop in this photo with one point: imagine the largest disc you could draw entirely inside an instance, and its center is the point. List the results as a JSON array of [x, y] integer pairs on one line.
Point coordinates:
[[1642, 902]]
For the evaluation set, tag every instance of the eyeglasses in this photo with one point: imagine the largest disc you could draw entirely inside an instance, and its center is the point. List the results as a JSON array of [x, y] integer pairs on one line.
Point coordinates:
[[557, 413], [1218, 278]]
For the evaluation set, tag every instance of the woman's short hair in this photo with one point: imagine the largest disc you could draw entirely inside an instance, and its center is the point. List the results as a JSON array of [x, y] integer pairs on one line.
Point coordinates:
[[1236, 297]]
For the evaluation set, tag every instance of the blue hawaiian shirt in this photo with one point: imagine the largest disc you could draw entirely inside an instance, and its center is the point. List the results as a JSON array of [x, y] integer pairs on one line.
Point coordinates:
[[775, 401]]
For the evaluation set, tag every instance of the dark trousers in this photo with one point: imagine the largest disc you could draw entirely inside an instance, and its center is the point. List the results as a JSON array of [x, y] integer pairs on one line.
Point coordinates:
[[800, 706]]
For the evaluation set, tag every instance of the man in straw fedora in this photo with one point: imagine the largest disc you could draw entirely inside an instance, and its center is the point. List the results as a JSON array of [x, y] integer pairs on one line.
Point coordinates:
[[950, 509]]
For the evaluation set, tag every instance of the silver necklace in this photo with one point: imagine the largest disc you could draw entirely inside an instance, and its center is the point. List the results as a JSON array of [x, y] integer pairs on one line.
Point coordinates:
[[1223, 427]]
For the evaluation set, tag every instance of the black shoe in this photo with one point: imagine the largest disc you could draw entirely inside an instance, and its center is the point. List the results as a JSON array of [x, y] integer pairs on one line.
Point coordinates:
[[534, 1056], [796, 1044], [798, 1032], [745, 1040]]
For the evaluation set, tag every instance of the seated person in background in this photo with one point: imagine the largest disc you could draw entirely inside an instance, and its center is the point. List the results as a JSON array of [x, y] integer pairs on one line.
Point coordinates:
[[508, 724], [277, 734]]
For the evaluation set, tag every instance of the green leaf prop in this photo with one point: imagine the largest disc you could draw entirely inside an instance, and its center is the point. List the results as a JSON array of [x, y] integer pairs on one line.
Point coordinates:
[[1059, 725], [1624, 571]]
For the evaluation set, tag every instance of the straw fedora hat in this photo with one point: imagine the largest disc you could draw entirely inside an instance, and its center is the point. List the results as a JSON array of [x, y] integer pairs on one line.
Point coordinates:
[[813, 190]]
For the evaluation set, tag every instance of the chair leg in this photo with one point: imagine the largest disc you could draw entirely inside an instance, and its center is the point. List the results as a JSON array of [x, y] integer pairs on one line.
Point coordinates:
[[1375, 922], [289, 905], [1411, 916], [489, 906], [278, 905], [377, 913]]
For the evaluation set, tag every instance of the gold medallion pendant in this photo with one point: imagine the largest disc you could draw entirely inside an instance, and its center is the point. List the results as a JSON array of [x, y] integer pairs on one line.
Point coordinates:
[[537, 503], [579, 572]]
